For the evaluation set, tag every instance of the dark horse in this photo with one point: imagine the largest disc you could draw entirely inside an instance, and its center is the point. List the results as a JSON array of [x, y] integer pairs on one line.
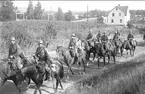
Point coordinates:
[[112, 51], [32, 71], [8, 72], [102, 52], [127, 45], [118, 44]]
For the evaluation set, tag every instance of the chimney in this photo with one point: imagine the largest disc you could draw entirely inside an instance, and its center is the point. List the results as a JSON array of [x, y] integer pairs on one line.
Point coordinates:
[[118, 4]]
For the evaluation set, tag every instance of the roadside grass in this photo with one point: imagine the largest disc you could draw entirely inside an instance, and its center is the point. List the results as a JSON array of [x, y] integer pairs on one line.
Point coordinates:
[[126, 78]]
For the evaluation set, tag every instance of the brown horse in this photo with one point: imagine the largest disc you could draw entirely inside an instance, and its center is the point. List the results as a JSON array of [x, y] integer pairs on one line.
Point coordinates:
[[9, 72], [102, 52], [118, 44], [33, 72], [127, 45], [112, 51]]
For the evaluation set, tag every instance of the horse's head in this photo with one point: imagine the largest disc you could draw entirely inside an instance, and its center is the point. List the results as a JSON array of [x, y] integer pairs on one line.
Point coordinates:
[[35, 61]]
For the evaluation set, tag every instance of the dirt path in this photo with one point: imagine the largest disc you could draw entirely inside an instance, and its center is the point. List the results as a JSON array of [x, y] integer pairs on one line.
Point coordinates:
[[9, 87]]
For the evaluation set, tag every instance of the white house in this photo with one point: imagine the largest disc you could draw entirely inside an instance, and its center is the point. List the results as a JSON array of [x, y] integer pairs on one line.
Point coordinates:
[[119, 15]]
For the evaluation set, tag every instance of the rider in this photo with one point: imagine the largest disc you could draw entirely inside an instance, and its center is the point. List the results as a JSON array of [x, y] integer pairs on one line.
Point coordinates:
[[104, 40], [43, 58], [130, 37], [89, 37], [116, 36], [98, 36], [15, 53]]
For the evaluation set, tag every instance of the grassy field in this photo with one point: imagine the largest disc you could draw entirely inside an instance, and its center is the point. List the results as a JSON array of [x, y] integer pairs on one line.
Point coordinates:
[[127, 78]]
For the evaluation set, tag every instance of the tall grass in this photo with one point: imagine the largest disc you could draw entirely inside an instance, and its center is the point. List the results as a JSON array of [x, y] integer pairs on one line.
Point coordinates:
[[126, 78], [27, 32]]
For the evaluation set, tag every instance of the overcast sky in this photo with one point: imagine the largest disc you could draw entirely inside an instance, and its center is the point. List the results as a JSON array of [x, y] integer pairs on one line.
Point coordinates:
[[82, 5]]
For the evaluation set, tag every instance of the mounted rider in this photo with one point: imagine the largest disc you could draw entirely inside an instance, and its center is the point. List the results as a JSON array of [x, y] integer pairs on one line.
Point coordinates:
[[44, 59], [116, 36], [89, 38], [130, 37], [72, 44], [15, 54], [98, 36], [104, 40]]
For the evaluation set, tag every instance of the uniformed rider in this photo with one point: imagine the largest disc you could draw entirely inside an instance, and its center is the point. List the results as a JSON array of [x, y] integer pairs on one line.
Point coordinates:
[[130, 37], [72, 44], [98, 36], [89, 38], [116, 36], [15, 54], [104, 40], [44, 59]]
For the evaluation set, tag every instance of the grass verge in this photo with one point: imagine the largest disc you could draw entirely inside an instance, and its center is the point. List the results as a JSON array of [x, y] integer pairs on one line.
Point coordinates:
[[126, 78]]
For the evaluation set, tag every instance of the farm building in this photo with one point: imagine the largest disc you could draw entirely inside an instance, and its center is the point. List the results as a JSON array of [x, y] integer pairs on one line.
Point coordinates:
[[119, 15]]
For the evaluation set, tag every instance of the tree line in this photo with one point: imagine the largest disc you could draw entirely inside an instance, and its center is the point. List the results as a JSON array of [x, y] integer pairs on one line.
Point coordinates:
[[8, 12]]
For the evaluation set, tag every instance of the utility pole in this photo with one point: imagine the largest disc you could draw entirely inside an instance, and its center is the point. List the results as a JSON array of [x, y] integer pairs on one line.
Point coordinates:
[[87, 13]]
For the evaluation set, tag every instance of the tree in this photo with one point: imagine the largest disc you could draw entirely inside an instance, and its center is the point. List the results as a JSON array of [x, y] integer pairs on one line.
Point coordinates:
[[38, 12], [59, 15], [30, 11], [69, 16], [7, 11]]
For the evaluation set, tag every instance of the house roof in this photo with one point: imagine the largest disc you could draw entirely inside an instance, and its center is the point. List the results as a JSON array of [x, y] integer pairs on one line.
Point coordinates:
[[122, 8]]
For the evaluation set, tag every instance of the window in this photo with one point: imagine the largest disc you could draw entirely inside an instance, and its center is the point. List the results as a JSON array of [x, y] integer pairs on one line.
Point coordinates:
[[116, 8], [120, 20], [112, 21], [119, 14], [113, 14]]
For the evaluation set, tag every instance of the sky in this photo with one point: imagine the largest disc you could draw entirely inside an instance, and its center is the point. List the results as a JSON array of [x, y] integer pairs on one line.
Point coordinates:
[[78, 6]]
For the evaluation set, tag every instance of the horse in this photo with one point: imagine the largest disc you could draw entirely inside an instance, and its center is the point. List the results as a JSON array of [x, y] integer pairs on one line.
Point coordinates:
[[89, 49], [112, 51], [32, 71], [9, 72], [57, 72], [129, 46], [118, 44], [82, 60], [66, 57], [101, 52]]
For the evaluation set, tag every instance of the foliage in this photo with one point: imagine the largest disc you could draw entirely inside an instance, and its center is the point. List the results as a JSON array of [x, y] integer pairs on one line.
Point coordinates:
[[30, 11], [7, 11], [69, 16], [129, 24], [38, 11], [137, 12], [59, 14], [126, 78]]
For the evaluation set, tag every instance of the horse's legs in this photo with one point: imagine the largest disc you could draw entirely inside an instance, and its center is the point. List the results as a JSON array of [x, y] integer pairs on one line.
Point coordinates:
[[2, 82], [35, 92], [94, 55], [109, 59], [121, 50], [98, 61], [83, 61], [114, 59], [59, 81], [88, 58], [104, 60]]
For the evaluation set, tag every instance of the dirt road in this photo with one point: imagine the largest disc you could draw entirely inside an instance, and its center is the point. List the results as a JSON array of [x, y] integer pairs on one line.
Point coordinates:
[[9, 87]]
